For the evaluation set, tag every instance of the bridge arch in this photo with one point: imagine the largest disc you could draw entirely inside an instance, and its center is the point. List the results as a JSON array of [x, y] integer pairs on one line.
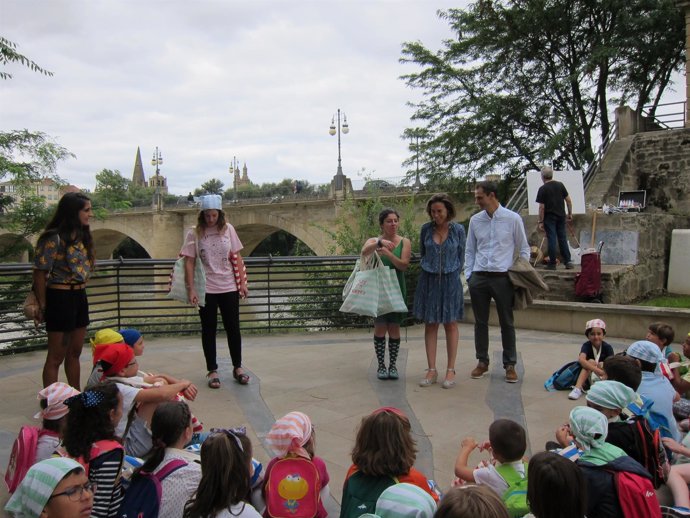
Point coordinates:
[[24, 247], [106, 240]]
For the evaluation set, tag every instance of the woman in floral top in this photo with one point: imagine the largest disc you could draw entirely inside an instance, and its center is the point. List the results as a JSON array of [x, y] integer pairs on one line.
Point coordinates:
[[63, 260]]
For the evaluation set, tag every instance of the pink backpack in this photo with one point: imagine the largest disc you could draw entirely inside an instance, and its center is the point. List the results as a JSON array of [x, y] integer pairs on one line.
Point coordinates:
[[22, 457], [292, 489]]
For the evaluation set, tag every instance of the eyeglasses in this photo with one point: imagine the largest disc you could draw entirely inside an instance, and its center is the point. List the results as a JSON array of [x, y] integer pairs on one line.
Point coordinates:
[[77, 492], [234, 433], [133, 362]]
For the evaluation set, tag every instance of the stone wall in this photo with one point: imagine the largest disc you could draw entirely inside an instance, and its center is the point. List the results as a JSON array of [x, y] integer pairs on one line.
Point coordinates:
[[662, 168]]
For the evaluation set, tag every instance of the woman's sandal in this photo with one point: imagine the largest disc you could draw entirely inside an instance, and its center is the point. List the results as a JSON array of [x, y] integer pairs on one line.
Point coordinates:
[[448, 384], [242, 379], [430, 378], [213, 380]]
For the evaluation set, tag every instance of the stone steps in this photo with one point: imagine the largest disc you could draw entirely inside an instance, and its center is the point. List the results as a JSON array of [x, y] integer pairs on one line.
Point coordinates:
[[561, 284]]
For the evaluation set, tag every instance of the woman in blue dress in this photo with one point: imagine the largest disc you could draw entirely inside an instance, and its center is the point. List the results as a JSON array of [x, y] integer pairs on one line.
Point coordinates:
[[439, 298], [395, 253]]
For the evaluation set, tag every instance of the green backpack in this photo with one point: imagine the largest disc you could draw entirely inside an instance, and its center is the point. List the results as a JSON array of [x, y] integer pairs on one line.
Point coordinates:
[[361, 493], [515, 497]]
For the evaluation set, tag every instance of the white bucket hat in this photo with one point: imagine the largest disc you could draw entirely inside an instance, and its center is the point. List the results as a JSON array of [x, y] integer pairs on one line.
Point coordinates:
[[211, 201]]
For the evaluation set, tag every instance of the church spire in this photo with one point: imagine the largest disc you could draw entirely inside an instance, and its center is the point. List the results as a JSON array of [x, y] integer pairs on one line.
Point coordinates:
[[138, 173]]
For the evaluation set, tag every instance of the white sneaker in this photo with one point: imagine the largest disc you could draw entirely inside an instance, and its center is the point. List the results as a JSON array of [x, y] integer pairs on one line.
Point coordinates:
[[575, 393]]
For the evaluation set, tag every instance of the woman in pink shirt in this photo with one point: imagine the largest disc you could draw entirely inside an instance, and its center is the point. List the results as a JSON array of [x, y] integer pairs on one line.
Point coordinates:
[[216, 240]]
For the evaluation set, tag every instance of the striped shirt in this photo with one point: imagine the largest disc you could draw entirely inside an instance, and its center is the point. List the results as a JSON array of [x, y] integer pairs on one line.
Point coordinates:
[[104, 470]]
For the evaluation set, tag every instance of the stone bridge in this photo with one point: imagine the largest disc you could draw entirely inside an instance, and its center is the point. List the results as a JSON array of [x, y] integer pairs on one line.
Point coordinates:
[[160, 233]]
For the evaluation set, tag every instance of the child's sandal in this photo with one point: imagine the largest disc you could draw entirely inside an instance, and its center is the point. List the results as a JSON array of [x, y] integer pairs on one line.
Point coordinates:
[[242, 379], [213, 380]]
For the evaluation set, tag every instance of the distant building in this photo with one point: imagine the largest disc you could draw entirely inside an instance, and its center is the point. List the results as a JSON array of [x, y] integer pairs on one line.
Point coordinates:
[[138, 177], [239, 181], [156, 181], [48, 188]]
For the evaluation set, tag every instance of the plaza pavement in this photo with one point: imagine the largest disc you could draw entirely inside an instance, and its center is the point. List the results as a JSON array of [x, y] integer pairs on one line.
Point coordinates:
[[331, 376]]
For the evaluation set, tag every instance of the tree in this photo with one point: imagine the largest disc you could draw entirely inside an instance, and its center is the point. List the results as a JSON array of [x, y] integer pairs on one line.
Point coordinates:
[[527, 81], [9, 54], [213, 186], [25, 158]]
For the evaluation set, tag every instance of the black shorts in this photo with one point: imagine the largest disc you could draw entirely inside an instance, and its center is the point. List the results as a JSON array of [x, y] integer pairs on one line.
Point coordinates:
[[66, 310]]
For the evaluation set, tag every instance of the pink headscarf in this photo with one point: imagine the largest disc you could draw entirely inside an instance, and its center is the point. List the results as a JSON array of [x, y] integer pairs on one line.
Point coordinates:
[[289, 434], [55, 394]]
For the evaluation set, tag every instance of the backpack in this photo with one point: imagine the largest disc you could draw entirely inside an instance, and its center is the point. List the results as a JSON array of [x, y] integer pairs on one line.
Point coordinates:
[[143, 497], [293, 489], [564, 378], [22, 457], [636, 495], [639, 441], [515, 497], [361, 493]]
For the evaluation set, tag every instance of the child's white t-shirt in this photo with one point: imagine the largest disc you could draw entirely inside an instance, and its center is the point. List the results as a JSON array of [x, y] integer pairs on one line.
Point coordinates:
[[128, 395], [488, 476]]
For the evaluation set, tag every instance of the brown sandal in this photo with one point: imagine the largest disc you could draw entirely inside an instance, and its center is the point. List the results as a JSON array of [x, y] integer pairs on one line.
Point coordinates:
[[242, 379], [213, 380]]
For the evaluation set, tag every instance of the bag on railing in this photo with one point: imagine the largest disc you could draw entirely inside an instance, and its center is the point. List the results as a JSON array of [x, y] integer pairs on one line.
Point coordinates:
[[177, 289]]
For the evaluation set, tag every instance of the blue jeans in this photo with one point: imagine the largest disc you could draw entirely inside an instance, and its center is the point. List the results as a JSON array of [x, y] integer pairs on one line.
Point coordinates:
[[555, 236]]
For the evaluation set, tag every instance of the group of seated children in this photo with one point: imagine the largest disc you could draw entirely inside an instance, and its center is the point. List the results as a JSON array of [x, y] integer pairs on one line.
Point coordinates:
[[608, 446]]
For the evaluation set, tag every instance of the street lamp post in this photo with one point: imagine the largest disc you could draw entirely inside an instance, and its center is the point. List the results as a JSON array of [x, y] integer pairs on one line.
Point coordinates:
[[339, 177], [157, 160], [417, 183], [233, 168]]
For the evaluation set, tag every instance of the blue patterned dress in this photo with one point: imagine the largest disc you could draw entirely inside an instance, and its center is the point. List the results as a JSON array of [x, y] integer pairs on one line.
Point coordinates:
[[438, 297]]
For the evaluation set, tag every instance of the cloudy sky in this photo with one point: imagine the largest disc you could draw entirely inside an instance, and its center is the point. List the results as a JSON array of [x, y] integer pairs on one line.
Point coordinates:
[[212, 79]]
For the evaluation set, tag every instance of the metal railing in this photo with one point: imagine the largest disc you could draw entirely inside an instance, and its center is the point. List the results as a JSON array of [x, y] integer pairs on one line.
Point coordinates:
[[518, 201], [285, 293], [668, 115]]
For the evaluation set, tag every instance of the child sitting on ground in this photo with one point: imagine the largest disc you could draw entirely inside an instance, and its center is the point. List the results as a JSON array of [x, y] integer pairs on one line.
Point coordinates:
[[223, 492], [53, 412], [656, 387], [383, 455], [292, 441], [34, 444], [507, 443], [592, 355], [471, 501], [120, 366], [662, 334]]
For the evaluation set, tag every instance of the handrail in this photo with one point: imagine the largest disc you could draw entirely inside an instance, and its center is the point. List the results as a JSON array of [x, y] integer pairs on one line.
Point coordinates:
[[518, 201], [285, 293], [668, 119]]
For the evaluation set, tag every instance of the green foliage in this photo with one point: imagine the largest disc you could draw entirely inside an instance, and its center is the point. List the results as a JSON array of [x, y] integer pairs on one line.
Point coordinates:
[[528, 81], [213, 186], [9, 54], [358, 221], [29, 156], [285, 188], [669, 301]]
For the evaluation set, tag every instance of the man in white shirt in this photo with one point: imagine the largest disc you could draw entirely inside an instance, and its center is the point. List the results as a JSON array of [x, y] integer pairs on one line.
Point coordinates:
[[496, 235]]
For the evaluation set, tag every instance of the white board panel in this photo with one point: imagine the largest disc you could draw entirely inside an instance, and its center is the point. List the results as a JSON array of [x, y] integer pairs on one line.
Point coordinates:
[[572, 181]]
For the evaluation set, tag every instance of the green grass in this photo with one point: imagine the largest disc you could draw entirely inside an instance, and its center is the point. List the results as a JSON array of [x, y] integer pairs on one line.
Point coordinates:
[[669, 301]]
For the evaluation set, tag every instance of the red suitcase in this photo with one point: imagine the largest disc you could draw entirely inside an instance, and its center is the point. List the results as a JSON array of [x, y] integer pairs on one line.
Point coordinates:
[[588, 281]]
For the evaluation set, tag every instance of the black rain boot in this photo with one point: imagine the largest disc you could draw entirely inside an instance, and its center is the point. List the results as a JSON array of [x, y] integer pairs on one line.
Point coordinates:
[[393, 348], [380, 348]]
